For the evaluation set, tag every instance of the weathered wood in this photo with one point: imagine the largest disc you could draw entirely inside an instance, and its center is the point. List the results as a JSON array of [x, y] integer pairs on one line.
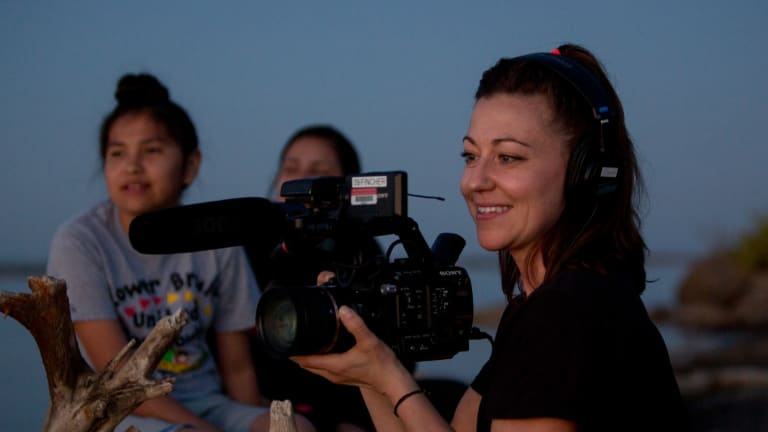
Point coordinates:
[[281, 417], [82, 400]]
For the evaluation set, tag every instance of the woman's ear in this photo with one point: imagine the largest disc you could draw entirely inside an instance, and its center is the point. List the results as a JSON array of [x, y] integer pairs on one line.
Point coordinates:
[[192, 166]]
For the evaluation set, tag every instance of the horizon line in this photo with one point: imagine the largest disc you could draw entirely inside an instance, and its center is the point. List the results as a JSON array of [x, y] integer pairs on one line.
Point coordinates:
[[10, 268]]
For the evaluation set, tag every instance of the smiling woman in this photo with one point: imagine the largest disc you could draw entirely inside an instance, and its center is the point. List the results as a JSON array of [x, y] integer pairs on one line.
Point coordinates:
[[550, 180]]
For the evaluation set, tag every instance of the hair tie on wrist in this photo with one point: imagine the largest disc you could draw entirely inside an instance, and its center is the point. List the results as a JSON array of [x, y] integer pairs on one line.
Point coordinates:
[[403, 398]]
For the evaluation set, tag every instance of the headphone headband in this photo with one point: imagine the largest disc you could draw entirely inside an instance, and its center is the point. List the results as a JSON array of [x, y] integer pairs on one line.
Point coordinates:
[[595, 94], [580, 78]]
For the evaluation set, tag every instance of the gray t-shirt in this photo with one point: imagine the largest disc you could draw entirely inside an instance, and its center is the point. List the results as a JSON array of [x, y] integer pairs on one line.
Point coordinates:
[[107, 279]]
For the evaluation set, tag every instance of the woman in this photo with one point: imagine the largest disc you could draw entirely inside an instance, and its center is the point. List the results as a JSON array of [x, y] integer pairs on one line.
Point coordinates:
[[550, 181], [149, 152]]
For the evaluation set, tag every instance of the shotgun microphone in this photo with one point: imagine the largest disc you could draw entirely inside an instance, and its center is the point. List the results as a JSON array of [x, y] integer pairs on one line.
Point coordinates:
[[209, 225]]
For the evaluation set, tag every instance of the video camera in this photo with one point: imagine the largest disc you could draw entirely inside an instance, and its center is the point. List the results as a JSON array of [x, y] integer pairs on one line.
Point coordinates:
[[421, 305]]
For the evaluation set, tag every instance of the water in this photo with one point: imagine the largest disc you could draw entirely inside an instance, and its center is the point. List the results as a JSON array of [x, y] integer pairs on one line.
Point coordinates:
[[24, 389], [23, 385]]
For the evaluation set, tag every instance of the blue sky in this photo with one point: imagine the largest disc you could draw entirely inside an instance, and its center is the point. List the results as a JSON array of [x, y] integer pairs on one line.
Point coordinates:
[[398, 78]]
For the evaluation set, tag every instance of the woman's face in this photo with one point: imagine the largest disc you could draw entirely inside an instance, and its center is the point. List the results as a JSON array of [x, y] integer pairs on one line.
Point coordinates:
[[307, 157], [516, 160], [144, 168]]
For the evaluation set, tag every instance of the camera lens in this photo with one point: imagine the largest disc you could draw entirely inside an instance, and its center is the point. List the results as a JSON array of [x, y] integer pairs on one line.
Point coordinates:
[[281, 322], [297, 320]]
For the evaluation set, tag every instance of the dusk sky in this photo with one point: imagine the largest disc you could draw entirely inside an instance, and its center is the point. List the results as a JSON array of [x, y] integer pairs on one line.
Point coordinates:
[[398, 78]]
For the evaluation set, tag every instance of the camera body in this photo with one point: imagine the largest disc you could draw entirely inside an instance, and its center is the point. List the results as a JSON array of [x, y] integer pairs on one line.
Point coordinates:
[[421, 305]]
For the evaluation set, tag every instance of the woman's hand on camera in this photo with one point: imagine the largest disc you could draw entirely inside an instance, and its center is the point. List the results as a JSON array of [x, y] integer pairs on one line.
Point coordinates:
[[324, 276], [368, 364]]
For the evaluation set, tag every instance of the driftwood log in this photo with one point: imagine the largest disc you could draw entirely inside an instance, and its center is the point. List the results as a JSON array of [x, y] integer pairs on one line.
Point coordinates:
[[281, 417], [81, 399]]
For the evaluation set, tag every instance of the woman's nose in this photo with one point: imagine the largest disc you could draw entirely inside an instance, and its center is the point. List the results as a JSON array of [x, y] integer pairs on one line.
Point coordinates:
[[480, 177]]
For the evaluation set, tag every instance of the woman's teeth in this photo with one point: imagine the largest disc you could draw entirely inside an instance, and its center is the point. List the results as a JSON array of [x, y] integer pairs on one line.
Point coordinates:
[[492, 209]]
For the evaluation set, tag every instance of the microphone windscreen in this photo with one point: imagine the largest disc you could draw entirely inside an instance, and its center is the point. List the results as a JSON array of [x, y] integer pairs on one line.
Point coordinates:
[[209, 225]]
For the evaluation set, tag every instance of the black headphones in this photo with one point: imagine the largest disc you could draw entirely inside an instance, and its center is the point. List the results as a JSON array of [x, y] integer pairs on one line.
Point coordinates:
[[593, 166]]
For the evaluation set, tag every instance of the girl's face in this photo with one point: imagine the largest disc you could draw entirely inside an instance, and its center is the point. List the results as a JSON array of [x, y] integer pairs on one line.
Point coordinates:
[[513, 182], [307, 157], [144, 168]]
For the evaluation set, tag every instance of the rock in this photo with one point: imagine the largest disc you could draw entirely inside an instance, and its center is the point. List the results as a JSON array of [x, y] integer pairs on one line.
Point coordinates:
[[702, 381], [718, 294], [715, 279], [751, 308], [702, 315]]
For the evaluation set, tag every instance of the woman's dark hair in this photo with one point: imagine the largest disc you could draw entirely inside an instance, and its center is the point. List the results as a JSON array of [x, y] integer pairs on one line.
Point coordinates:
[[144, 93], [341, 145], [594, 231]]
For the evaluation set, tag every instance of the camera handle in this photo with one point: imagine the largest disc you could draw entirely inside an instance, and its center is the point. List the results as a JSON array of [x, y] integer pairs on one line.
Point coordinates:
[[413, 241]]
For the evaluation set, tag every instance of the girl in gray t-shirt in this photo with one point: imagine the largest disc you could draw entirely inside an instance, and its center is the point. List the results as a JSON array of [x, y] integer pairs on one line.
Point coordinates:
[[150, 155]]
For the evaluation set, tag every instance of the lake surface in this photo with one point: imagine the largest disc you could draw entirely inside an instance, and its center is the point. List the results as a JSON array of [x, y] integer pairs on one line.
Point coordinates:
[[24, 389]]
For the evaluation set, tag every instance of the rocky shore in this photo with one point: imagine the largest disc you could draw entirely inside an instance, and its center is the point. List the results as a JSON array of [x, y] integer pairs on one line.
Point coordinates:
[[722, 362]]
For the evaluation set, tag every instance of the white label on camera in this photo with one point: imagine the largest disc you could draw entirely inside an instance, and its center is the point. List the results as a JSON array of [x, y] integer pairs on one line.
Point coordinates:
[[370, 181], [364, 196]]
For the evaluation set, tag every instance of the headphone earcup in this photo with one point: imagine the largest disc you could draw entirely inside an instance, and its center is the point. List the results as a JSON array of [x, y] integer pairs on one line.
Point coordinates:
[[583, 167]]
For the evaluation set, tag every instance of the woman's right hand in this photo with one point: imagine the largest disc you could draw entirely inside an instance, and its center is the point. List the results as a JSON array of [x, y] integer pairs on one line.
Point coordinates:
[[370, 363]]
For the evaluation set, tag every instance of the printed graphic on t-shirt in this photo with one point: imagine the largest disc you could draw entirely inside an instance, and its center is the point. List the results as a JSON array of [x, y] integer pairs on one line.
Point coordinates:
[[142, 304], [177, 361]]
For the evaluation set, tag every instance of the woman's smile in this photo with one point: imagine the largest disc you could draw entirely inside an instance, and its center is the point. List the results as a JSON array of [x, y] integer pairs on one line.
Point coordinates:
[[485, 212]]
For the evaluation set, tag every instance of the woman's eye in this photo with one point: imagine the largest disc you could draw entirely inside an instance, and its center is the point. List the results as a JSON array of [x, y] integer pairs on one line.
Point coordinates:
[[154, 149], [114, 153], [505, 158], [468, 157]]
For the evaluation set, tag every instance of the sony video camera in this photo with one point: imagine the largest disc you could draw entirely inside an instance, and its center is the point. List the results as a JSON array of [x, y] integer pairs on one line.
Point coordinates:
[[420, 305]]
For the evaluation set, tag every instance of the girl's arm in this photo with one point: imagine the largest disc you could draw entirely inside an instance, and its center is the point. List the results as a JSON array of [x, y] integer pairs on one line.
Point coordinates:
[[102, 340], [236, 367]]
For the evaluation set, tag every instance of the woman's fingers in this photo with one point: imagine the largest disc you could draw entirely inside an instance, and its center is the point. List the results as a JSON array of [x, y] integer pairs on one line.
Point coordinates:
[[354, 324], [324, 276], [318, 362]]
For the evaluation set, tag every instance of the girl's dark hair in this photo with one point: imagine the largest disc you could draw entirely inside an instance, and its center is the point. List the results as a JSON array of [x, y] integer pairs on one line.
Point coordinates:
[[144, 93], [594, 231], [341, 145]]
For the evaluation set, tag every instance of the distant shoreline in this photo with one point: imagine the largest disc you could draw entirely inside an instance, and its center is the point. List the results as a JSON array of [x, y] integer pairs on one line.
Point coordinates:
[[14, 269], [479, 261]]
